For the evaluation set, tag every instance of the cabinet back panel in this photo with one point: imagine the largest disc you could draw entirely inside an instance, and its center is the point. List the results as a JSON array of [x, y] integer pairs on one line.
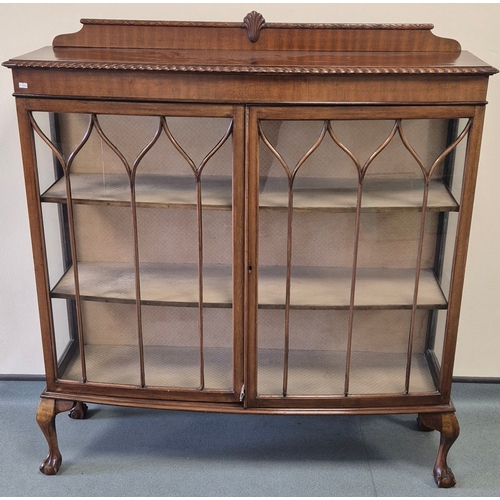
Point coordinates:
[[163, 235], [388, 239], [131, 134], [292, 139], [163, 326], [327, 330]]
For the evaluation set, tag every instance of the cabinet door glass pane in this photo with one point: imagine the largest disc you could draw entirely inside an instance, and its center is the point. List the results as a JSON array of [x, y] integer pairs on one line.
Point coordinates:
[[142, 212], [353, 225]]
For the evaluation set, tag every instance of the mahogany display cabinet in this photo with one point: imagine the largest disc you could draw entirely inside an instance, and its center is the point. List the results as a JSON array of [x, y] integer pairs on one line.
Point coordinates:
[[250, 217]]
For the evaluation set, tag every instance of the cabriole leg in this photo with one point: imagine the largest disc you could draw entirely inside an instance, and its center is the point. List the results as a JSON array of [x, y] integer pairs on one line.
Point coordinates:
[[447, 425], [46, 419], [422, 427]]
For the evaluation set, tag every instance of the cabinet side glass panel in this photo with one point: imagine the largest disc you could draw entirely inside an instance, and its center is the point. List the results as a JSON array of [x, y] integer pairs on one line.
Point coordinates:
[[453, 172]]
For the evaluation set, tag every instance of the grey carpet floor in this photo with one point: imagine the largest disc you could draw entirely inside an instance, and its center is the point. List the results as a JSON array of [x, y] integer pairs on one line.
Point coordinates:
[[130, 452]]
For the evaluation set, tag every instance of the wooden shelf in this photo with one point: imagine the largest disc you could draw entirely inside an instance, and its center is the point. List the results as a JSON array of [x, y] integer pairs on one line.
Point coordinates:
[[165, 366], [310, 194], [312, 287], [311, 372], [315, 372], [340, 195], [160, 191], [161, 284], [330, 288]]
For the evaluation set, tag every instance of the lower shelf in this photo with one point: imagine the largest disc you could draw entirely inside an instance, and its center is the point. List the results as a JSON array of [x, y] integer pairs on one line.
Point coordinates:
[[173, 367], [321, 373], [311, 372]]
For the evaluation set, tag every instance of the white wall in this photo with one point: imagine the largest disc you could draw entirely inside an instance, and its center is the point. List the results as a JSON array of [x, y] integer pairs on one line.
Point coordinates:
[[26, 27]]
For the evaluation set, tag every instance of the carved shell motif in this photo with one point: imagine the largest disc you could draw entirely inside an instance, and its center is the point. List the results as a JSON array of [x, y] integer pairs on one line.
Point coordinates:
[[253, 23]]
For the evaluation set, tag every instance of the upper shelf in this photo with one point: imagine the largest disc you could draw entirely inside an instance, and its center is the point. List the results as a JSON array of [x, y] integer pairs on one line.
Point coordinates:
[[310, 194], [154, 191], [340, 195], [255, 46]]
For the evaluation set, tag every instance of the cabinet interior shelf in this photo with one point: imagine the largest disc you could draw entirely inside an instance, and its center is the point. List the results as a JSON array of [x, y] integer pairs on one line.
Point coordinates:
[[165, 366], [152, 190], [322, 372], [310, 194], [311, 372], [340, 195], [311, 287], [161, 284]]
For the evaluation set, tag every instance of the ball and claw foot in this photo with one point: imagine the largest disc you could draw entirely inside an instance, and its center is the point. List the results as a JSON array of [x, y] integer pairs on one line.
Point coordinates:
[[79, 411], [444, 477], [51, 464]]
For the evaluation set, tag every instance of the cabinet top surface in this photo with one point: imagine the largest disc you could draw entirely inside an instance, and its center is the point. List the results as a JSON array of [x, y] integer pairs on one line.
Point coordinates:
[[255, 46], [232, 61]]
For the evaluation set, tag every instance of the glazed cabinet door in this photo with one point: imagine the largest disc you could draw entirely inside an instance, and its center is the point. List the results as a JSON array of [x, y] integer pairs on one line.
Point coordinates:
[[139, 246], [353, 218]]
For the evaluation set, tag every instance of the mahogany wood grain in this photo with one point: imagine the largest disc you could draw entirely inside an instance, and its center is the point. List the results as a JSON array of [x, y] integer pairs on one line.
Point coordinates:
[[252, 246], [268, 62], [460, 253], [274, 36], [45, 417], [238, 208], [27, 139], [261, 89], [447, 425], [131, 399]]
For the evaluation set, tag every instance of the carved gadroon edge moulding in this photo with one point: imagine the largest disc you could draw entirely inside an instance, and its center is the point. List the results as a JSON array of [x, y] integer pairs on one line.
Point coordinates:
[[249, 69]]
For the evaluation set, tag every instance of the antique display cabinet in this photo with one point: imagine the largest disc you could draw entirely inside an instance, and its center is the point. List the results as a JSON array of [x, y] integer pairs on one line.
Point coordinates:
[[250, 217]]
